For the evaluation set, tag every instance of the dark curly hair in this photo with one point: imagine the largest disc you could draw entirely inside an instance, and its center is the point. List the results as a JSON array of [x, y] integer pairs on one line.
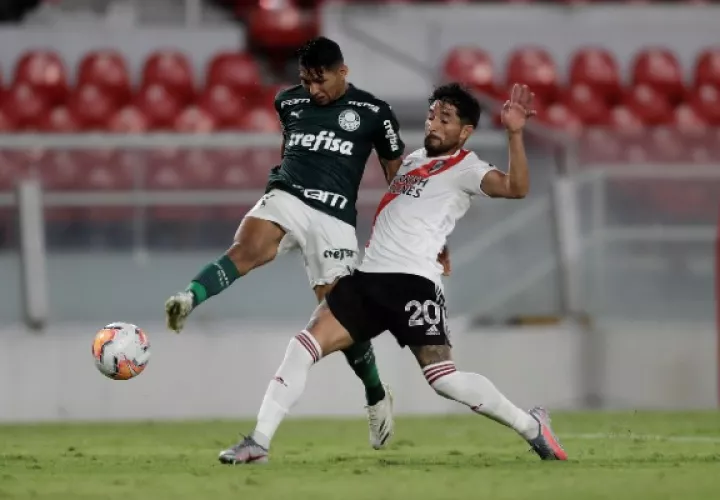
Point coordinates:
[[468, 107]]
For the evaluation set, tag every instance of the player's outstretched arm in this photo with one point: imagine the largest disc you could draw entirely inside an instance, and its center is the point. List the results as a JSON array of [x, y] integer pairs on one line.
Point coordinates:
[[390, 168], [516, 182]]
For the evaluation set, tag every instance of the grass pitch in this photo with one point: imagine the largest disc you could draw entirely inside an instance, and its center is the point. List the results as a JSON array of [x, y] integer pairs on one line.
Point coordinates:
[[638, 456]]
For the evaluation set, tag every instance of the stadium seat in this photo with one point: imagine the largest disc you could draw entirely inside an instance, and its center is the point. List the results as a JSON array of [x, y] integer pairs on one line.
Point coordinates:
[[267, 99], [24, 106], [60, 119], [91, 106], [597, 68], [651, 106], [45, 72], [707, 67], [600, 145], [473, 67], [108, 70], [561, 117], [7, 123], [284, 28], [158, 105], [194, 120], [666, 145], [223, 104], [586, 103], [236, 70], [260, 120], [706, 102], [533, 66], [172, 70], [128, 119], [659, 69], [689, 122], [625, 121]]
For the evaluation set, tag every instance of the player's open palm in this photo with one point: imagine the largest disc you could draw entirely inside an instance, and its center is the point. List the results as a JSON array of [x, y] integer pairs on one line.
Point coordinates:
[[518, 109]]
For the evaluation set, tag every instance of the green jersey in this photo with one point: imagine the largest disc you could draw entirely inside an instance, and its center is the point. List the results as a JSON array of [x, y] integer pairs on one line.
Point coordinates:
[[327, 147]]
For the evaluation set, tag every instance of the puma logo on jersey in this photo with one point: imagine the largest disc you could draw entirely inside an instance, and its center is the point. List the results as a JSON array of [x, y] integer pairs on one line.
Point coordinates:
[[296, 114], [324, 140]]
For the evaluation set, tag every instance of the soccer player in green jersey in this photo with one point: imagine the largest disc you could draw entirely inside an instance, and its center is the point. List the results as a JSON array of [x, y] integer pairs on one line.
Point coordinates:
[[330, 128]]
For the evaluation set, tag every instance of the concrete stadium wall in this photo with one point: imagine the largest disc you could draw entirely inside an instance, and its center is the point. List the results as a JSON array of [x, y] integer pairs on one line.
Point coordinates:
[[223, 371]]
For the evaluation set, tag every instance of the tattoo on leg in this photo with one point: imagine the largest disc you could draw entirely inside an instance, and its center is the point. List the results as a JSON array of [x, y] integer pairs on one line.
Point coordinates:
[[431, 354]]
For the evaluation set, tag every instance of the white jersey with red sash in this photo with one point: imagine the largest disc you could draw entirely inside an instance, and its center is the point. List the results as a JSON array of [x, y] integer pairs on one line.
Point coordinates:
[[419, 211]]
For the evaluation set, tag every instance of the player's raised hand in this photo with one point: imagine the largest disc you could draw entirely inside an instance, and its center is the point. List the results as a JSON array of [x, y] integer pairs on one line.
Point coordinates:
[[518, 109]]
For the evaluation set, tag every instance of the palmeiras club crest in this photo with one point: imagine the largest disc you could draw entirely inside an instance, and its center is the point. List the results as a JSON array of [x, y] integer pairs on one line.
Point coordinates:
[[349, 120]]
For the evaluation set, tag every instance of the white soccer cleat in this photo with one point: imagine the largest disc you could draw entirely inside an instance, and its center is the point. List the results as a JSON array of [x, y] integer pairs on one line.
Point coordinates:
[[380, 420], [177, 309]]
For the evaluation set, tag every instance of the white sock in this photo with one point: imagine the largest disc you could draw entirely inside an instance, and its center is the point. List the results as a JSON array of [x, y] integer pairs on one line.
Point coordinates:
[[481, 396], [287, 386]]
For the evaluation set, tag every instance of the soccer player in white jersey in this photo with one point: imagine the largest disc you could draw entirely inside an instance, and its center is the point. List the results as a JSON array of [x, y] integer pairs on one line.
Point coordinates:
[[398, 286]]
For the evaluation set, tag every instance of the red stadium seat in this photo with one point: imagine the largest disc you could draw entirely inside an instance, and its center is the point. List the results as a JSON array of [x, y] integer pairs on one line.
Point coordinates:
[[597, 68], [561, 117], [194, 120], [625, 121], [689, 122], [172, 70], [25, 106], [601, 145], [534, 67], [471, 66], [586, 104], [267, 99], [223, 104], [159, 106], [666, 145], [659, 69], [108, 70], [236, 70], [652, 107], [128, 120], [707, 67], [60, 119], [45, 72], [260, 120], [706, 102], [91, 106], [283, 28], [7, 123]]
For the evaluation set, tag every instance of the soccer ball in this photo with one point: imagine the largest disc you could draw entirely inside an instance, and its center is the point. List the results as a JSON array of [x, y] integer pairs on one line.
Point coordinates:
[[121, 351]]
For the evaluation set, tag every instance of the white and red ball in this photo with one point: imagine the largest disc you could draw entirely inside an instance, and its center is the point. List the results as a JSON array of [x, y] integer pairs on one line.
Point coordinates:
[[121, 351]]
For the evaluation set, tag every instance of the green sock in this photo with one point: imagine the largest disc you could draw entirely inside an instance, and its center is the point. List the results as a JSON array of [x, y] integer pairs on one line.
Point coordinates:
[[213, 279], [361, 358]]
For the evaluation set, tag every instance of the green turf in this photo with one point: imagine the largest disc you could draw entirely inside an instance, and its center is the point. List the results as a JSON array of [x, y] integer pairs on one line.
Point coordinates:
[[430, 458]]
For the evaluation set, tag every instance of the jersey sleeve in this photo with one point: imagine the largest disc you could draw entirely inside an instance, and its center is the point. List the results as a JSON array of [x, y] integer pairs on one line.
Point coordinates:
[[387, 141], [471, 176], [279, 97]]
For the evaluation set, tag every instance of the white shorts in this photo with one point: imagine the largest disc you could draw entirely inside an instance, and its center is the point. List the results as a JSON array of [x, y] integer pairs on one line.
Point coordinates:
[[328, 245]]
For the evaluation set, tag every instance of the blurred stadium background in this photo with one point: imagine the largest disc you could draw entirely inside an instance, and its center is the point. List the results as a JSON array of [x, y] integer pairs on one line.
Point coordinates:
[[135, 134]]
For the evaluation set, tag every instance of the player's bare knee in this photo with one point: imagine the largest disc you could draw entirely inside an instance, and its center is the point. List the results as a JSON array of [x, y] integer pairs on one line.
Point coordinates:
[[255, 244], [327, 331]]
